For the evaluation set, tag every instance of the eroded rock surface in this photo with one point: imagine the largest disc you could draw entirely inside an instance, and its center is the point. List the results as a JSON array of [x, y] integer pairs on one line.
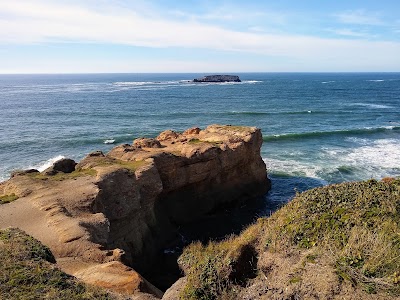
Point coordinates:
[[218, 78], [123, 207]]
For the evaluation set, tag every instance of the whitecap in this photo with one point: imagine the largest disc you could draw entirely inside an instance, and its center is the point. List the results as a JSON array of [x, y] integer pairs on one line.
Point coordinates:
[[294, 168], [47, 164], [357, 140], [110, 141], [3, 178], [371, 105], [367, 159], [251, 81], [130, 83], [376, 80], [381, 154]]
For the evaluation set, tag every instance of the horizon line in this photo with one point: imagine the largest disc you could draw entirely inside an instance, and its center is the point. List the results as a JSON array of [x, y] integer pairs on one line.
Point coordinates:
[[241, 72]]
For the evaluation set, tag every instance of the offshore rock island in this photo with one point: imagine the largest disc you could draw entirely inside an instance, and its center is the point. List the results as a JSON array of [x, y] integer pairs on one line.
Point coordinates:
[[218, 78], [106, 218]]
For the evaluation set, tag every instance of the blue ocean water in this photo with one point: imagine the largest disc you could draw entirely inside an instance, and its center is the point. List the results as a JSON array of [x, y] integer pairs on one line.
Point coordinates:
[[318, 128]]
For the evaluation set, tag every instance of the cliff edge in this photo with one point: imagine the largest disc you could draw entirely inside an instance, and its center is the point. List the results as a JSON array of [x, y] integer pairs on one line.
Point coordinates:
[[106, 217]]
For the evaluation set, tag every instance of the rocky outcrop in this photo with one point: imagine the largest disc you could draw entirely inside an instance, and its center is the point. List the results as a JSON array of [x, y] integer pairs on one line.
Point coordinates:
[[218, 78], [123, 207], [64, 165], [117, 277]]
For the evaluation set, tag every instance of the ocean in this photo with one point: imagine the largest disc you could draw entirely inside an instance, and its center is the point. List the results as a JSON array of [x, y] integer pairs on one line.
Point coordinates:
[[318, 128]]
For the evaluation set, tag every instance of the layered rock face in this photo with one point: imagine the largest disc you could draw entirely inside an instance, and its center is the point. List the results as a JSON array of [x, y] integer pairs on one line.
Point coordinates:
[[123, 207], [218, 78]]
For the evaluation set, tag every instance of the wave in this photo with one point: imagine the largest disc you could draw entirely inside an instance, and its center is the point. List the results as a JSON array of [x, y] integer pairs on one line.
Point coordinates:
[[251, 113], [110, 141], [294, 167], [371, 105], [314, 134], [330, 81], [47, 164], [377, 159], [376, 80], [110, 87], [181, 82], [130, 83], [383, 153], [251, 81], [301, 112]]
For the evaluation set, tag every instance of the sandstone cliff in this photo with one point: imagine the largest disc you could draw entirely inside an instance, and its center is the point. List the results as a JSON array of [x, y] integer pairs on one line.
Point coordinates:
[[112, 213]]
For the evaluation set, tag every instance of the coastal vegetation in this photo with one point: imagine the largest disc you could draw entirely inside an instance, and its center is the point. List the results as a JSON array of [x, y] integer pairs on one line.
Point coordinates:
[[28, 272], [88, 171], [8, 198], [348, 233], [63, 176]]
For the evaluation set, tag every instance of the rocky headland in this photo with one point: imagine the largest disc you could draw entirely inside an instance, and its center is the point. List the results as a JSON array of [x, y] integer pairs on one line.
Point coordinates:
[[218, 78], [106, 218]]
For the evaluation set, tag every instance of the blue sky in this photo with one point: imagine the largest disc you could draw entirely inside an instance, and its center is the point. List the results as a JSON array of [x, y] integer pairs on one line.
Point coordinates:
[[91, 36]]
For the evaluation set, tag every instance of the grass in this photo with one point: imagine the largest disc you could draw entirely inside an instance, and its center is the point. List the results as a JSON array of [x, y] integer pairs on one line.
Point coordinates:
[[129, 165], [27, 272], [357, 222], [218, 270], [8, 198], [106, 161], [353, 227], [64, 176]]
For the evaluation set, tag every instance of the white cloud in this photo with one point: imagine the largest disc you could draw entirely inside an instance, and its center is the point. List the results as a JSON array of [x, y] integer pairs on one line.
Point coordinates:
[[231, 15], [27, 21], [359, 17], [396, 26], [350, 33]]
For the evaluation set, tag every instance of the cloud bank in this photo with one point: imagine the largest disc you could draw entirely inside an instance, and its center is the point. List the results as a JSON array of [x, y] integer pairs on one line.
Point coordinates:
[[40, 22]]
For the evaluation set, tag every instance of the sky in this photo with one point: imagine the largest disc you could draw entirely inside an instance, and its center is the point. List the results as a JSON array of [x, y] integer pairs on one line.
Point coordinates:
[[147, 36]]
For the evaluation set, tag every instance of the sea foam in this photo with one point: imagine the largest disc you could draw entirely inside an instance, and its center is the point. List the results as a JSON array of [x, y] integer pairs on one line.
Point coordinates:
[[47, 164]]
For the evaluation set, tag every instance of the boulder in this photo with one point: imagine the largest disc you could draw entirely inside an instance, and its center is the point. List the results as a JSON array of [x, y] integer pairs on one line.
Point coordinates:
[[97, 153], [64, 165], [167, 135], [117, 277], [193, 130], [147, 143], [175, 290]]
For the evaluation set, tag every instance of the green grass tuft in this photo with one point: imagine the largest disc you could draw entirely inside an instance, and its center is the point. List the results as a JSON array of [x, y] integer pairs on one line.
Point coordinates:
[[8, 198], [60, 176], [106, 161]]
